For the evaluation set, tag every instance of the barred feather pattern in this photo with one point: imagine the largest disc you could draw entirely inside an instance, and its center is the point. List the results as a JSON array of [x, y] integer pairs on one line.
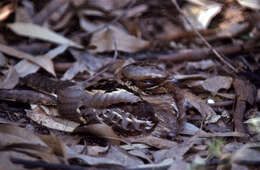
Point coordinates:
[[100, 99]]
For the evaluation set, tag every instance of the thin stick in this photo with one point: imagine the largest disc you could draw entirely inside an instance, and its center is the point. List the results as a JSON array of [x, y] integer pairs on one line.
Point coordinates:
[[203, 39]]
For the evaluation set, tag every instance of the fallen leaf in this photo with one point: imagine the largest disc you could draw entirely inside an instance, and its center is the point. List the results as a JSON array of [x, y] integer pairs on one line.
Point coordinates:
[[3, 60], [35, 31], [214, 84], [11, 79], [10, 134], [247, 155], [201, 15], [114, 158], [165, 164], [176, 152], [25, 67], [42, 62], [103, 41], [206, 111], [6, 163], [253, 4], [56, 145], [153, 141], [85, 62], [245, 94], [39, 115], [180, 164], [202, 65], [101, 130]]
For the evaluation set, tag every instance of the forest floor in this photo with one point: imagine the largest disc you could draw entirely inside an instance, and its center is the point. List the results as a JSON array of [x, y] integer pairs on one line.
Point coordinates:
[[130, 84]]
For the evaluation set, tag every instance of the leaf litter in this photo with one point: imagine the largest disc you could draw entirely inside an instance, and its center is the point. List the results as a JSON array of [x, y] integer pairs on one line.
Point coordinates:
[[207, 107]]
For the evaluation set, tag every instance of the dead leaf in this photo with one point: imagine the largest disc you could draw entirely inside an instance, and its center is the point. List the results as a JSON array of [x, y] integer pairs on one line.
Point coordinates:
[[101, 130], [200, 65], [96, 150], [176, 152], [115, 158], [245, 93], [6, 163], [153, 141], [85, 62], [56, 145], [10, 134], [42, 62], [106, 4], [103, 41], [165, 164], [179, 164], [166, 112], [206, 111], [39, 115], [201, 15], [25, 67], [214, 84], [3, 60], [253, 4], [11, 79], [35, 31], [247, 155]]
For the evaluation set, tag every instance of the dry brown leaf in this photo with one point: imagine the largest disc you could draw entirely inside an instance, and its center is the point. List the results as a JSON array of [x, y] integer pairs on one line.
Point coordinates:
[[101, 130], [11, 79], [202, 65], [3, 60], [206, 111], [115, 157], [175, 152], [5, 162], [85, 62], [40, 116], [103, 41], [25, 67], [153, 141], [201, 16], [253, 4], [166, 112], [45, 63], [55, 144], [10, 134], [214, 84], [35, 31], [247, 154], [105, 4], [96, 150]]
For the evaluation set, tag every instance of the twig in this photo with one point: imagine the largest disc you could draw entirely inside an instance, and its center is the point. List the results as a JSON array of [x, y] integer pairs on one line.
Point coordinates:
[[201, 53], [221, 58]]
